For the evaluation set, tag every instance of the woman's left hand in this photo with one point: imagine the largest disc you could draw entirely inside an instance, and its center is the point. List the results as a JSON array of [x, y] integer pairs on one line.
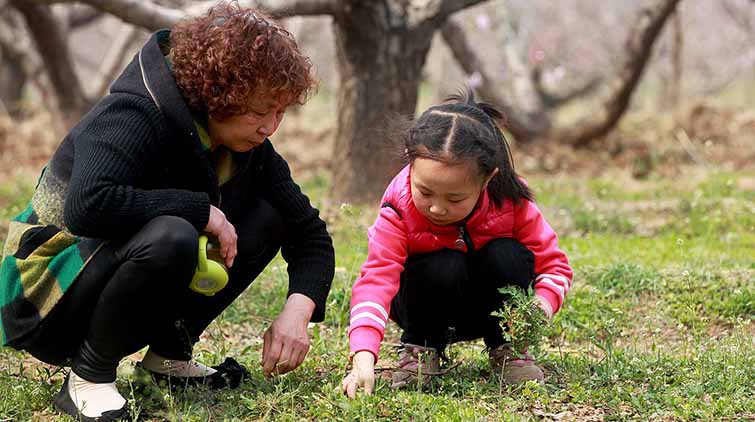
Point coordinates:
[[287, 341]]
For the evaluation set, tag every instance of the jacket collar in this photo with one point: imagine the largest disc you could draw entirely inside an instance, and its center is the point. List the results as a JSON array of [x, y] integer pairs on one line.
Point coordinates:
[[159, 82]]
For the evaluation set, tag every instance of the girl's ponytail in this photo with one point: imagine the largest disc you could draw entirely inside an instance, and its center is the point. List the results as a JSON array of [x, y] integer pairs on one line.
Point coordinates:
[[505, 184]]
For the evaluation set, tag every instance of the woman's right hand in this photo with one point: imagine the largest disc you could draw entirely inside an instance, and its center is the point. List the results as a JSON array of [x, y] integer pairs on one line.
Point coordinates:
[[219, 226], [362, 374]]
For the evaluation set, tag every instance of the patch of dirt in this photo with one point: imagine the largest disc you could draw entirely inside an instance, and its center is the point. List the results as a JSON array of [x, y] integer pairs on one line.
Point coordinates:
[[703, 121], [569, 412], [25, 146], [662, 144], [14, 364], [306, 150]]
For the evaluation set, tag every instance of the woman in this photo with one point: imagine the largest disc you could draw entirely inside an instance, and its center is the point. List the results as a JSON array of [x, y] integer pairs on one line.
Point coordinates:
[[99, 264]]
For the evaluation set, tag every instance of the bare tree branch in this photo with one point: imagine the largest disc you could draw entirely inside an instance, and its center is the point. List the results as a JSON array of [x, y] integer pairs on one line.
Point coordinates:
[[743, 20], [141, 13], [153, 16], [519, 81], [639, 45], [18, 50], [83, 15], [54, 52], [728, 74], [465, 56], [113, 62], [674, 87], [449, 7], [284, 10], [435, 12], [304, 8], [557, 99]]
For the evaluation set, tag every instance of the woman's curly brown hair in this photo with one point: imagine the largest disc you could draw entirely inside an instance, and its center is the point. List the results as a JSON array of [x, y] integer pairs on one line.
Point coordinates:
[[222, 58]]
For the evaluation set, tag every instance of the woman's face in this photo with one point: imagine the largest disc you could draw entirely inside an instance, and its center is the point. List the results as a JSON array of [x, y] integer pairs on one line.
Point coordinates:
[[445, 193], [245, 131]]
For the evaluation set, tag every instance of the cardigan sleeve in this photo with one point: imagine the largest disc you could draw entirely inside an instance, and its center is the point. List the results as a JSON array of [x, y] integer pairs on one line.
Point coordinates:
[[113, 148], [309, 248]]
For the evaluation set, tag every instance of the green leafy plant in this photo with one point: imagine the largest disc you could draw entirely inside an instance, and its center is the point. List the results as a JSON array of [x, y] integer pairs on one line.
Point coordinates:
[[524, 324]]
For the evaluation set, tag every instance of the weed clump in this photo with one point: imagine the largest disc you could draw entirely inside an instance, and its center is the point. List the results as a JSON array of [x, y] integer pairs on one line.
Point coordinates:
[[524, 324]]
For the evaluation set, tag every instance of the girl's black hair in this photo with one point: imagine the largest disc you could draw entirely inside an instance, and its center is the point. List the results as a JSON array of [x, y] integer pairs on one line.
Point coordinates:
[[465, 130]]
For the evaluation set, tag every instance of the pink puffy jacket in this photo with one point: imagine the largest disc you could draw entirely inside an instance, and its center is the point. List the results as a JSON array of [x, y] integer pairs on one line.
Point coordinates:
[[400, 231]]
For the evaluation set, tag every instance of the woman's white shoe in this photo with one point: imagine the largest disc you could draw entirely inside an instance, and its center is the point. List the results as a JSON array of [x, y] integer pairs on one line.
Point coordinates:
[[90, 401]]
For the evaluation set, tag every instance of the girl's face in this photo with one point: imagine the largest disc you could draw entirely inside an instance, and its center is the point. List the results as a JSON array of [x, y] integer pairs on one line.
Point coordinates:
[[445, 193], [245, 131]]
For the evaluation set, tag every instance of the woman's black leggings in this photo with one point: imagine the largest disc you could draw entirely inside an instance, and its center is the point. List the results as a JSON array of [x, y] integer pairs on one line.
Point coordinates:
[[135, 293], [448, 296]]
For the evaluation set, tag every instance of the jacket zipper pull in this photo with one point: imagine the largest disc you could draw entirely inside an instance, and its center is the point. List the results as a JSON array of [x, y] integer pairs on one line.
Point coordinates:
[[459, 243]]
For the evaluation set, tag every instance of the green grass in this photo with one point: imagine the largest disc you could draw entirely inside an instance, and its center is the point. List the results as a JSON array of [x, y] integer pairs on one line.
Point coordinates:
[[658, 326], [13, 199]]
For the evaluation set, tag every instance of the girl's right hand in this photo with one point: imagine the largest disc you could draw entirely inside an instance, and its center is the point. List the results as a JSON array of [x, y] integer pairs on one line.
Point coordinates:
[[219, 226], [362, 374]]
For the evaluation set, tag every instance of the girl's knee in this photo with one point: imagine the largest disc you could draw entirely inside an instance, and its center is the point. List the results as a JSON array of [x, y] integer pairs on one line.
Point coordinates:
[[507, 259]]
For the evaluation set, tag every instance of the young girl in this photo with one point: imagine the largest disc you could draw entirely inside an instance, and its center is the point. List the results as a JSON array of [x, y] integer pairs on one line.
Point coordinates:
[[455, 225]]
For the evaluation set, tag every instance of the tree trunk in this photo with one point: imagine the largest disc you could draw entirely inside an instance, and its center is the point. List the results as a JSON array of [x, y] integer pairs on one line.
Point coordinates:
[[522, 88], [675, 85], [14, 75], [12, 80], [54, 52], [380, 58]]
